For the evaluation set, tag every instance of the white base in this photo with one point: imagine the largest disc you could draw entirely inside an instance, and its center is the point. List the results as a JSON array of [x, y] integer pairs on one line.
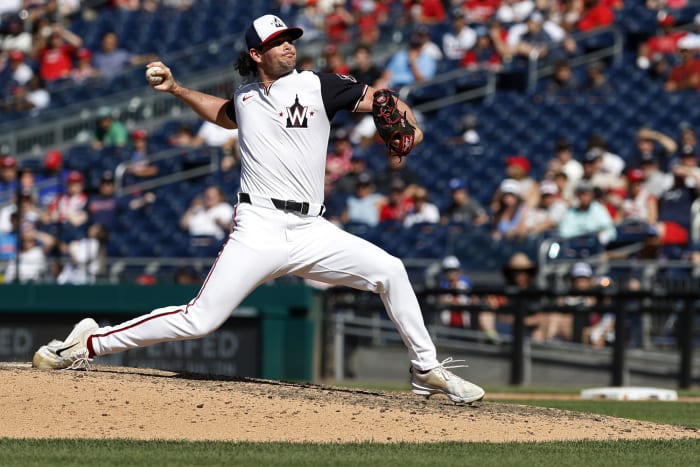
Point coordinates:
[[630, 394]]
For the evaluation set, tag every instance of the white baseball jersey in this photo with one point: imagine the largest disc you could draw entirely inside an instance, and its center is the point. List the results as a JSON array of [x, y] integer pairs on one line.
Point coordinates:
[[287, 159]]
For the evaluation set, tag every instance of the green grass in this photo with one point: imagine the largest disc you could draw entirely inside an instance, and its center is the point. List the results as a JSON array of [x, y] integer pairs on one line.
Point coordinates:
[[173, 454], [490, 389], [674, 413], [566, 390]]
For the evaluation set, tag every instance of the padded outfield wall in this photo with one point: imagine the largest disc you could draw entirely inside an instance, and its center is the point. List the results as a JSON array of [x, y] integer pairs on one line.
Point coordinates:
[[271, 335]]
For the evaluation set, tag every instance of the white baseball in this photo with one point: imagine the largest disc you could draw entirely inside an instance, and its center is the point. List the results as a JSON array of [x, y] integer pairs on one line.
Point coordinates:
[[152, 75]]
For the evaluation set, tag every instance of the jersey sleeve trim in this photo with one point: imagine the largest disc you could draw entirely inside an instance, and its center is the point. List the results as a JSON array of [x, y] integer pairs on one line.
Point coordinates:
[[362, 96], [340, 92]]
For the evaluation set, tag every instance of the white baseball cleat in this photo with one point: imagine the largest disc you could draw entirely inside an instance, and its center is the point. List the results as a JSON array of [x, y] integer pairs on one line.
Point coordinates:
[[440, 380], [71, 353]]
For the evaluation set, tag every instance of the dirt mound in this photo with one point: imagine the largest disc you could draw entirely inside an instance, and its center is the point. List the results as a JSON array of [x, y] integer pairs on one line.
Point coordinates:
[[115, 402]]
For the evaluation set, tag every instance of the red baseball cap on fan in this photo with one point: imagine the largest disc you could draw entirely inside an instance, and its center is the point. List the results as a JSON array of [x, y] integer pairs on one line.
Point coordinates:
[[666, 20], [139, 134], [520, 161], [266, 28], [635, 175], [75, 177], [84, 53], [8, 161], [53, 159], [16, 55]]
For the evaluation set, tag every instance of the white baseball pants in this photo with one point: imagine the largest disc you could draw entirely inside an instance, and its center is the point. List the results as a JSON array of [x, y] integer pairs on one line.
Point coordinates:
[[268, 243]]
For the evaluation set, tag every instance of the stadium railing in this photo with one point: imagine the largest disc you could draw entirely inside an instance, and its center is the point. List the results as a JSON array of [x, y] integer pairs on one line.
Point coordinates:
[[356, 318]]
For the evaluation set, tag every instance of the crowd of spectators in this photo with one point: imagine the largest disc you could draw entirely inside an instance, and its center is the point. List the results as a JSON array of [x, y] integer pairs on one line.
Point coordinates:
[[591, 192], [583, 315], [63, 224], [36, 39], [39, 52]]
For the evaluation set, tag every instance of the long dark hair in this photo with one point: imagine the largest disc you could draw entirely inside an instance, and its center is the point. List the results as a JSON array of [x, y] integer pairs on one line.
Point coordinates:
[[502, 207], [245, 65]]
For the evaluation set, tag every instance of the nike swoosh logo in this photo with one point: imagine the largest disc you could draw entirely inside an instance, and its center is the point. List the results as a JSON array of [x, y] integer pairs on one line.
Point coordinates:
[[245, 98], [59, 351]]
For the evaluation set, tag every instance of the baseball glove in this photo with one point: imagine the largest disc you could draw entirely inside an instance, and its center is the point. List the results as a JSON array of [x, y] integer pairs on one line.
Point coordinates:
[[392, 126]]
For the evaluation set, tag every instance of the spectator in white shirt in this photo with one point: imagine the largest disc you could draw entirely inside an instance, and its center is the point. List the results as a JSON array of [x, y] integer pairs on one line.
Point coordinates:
[[545, 217], [21, 72], [514, 11], [208, 215], [16, 38], [32, 260], [211, 134], [423, 210], [85, 257], [691, 41], [612, 163], [458, 40]]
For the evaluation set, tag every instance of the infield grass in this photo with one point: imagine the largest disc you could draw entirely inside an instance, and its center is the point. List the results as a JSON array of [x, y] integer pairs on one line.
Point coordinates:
[[176, 454], [673, 413]]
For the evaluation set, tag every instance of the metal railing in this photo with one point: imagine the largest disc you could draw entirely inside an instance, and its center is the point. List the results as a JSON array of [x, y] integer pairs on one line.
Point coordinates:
[[140, 107], [114, 269], [554, 261], [356, 314], [147, 109], [535, 71], [205, 169], [486, 90]]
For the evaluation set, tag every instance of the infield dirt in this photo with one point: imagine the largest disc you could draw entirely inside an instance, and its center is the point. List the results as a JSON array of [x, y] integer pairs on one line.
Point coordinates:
[[116, 402]]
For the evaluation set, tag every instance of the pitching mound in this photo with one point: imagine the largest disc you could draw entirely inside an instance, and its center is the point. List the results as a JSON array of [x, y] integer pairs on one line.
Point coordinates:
[[113, 402]]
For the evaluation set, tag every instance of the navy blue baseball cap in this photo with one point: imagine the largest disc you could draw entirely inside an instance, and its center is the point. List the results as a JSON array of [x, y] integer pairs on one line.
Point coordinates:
[[266, 28], [458, 184]]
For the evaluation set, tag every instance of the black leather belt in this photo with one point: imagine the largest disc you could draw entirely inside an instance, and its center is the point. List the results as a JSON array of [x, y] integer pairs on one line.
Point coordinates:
[[301, 207]]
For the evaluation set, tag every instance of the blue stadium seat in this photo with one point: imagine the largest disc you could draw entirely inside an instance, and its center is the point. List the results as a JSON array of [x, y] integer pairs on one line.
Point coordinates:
[[360, 229]]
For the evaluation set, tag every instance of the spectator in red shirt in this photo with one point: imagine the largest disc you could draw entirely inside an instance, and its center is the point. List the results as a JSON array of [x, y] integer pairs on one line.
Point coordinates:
[[398, 203], [499, 38], [483, 55], [595, 14], [56, 55], [368, 18], [335, 62], [84, 69], [480, 11], [426, 12], [686, 75], [338, 24], [67, 215], [663, 44]]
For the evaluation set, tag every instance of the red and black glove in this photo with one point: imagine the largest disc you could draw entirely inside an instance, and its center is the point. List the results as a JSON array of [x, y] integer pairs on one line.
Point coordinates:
[[392, 126]]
